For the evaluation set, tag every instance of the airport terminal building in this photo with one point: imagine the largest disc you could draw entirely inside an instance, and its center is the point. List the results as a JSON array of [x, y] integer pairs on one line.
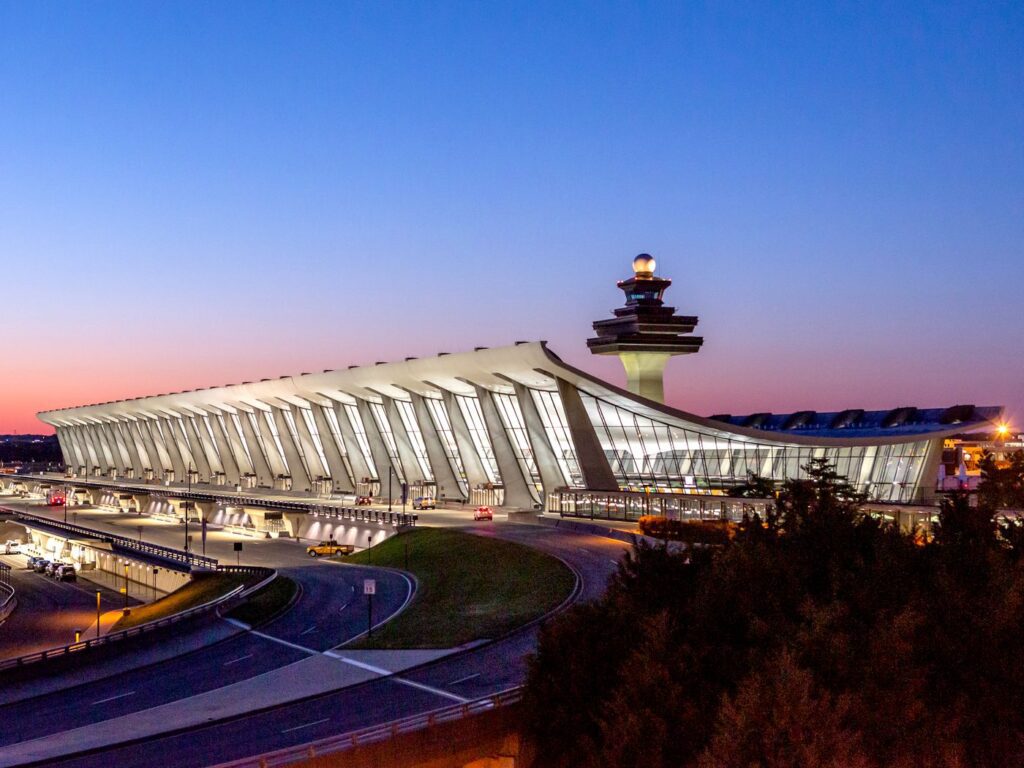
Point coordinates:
[[512, 426]]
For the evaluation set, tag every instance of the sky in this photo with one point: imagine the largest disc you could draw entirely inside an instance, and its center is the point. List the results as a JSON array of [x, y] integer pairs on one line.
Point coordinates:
[[195, 194]]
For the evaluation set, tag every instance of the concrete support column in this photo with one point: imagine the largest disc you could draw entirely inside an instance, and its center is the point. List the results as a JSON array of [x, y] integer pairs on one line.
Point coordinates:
[[379, 451], [198, 450], [264, 474], [227, 458], [406, 454], [360, 467], [597, 472], [645, 373]]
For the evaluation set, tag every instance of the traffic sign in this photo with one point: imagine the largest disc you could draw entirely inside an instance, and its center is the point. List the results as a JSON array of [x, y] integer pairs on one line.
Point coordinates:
[[369, 586]]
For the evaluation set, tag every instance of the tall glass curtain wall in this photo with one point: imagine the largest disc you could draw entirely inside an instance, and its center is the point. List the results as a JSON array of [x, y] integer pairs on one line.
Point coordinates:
[[645, 454], [648, 454]]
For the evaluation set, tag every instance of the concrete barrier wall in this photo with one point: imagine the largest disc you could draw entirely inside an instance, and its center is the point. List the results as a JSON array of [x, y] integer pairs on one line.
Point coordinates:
[[302, 526]]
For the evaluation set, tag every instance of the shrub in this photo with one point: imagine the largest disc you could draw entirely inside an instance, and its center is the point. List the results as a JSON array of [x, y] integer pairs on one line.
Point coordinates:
[[689, 531]]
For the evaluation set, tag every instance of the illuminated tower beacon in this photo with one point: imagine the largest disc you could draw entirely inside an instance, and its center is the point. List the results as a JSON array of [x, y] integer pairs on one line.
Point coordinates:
[[645, 333]]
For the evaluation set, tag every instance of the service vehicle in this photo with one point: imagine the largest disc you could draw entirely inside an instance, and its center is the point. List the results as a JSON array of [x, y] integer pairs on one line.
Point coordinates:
[[329, 548], [56, 498], [483, 513], [424, 502], [12, 547]]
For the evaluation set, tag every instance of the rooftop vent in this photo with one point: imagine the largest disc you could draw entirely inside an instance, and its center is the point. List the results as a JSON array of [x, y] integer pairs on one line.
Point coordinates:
[[899, 416], [957, 414], [756, 421], [846, 418], [798, 419]]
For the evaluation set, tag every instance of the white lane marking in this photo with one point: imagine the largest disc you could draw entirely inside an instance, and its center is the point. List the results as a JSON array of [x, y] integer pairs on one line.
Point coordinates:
[[388, 673], [305, 725], [302, 648], [240, 658], [307, 631], [112, 698], [429, 689], [464, 679], [237, 623]]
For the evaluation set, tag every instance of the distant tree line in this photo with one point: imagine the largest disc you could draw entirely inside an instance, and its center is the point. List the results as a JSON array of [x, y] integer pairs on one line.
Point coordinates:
[[819, 636], [46, 451]]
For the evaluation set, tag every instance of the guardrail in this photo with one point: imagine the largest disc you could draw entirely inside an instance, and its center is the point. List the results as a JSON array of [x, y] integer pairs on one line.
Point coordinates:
[[378, 733], [240, 591], [132, 545], [10, 602], [364, 515]]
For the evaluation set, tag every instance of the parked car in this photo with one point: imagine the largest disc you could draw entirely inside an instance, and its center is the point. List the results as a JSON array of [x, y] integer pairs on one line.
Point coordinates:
[[328, 548], [483, 513], [424, 502], [32, 560], [40, 565], [52, 567], [12, 547], [364, 501], [66, 573]]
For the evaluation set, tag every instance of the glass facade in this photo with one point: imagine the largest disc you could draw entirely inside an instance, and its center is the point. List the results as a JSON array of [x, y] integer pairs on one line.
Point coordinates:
[[412, 429], [443, 427], [474, 417], [515, 428], [386, 435], [335, 428], [650, 455], [356, 422], [556, 427], [660, 459]]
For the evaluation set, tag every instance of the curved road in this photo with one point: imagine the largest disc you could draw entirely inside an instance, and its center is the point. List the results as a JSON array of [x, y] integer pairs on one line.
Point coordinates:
[[324, 616], [467, 675]]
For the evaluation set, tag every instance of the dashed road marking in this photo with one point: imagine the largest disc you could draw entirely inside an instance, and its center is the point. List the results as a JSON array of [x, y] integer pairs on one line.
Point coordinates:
[[113, 698], [305, 725], [307, 630], [464, 679], [240, 658]]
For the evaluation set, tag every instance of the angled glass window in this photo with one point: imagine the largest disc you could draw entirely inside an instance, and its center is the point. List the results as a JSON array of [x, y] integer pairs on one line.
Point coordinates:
[[443, 427], [239, 458], [260, 443], [236, 422], [470, 408], [515, 428], [140, 446], [289, 420], [356, 422], [556, 427], [268, 417], [314, 433], [412, 429], [384, 427], [335, 428]]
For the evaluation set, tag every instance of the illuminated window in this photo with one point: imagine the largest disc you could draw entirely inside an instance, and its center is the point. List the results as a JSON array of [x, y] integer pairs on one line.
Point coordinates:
[[470, 408], [356, 422], [556, 427], [314, 433], [443, 426], [515, 428], [268, 417], [384, 427], [412, 429], [335, 428]]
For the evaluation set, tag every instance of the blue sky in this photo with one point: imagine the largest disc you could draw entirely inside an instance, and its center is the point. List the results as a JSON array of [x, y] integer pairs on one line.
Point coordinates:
[[199, 193]]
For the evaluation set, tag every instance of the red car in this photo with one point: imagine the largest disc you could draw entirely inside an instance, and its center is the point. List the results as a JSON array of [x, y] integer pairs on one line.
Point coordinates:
[[483, 513], [364, 501]]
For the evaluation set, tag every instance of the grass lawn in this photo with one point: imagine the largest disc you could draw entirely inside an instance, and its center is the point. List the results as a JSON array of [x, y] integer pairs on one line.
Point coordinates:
[[203, 588], [470, 587], [267, 603]]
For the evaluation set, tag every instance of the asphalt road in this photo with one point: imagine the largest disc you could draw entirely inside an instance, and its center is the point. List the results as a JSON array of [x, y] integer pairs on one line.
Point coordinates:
[[49, 611], [471, 674], [325, 615]]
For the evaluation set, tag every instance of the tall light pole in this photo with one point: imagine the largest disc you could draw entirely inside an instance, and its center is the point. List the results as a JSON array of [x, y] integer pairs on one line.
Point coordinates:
[[391, 471], [188, 501]]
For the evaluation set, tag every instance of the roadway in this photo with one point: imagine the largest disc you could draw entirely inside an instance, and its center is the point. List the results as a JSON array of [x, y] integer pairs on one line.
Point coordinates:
[[467, 675], [49, 611]]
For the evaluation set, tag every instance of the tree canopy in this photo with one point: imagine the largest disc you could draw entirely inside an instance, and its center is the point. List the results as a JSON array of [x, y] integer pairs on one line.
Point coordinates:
[[821, 636]]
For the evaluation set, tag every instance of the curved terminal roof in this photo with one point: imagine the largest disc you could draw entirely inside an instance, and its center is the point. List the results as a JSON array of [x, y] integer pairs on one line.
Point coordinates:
[[531, 364]]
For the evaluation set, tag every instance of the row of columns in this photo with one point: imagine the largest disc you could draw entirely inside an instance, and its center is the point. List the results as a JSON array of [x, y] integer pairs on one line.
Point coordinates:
[[232, 441]]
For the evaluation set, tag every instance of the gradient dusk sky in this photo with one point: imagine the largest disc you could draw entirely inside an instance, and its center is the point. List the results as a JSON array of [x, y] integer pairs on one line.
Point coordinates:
[[198, 193]]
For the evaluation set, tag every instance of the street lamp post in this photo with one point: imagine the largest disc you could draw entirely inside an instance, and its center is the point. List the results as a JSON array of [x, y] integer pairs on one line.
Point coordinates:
[[125, 586], [391, 471], [97, 613]]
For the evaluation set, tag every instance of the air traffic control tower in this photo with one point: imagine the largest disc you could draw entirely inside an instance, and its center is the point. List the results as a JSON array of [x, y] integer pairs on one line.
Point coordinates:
[[645, 333]]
